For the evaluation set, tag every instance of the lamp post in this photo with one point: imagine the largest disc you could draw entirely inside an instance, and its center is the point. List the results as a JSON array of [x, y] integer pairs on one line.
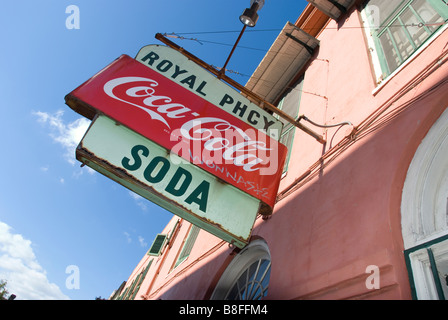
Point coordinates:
[[248, 19]]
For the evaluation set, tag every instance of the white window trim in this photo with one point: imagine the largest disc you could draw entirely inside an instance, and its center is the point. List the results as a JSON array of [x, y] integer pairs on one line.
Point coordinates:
[[255, 250], [372, 48], [421, 270], [424, 206], [423, 198], [425, 287]]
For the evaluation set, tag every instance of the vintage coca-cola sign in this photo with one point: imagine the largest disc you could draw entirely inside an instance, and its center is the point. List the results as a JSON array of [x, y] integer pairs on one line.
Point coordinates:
[[185, 123]]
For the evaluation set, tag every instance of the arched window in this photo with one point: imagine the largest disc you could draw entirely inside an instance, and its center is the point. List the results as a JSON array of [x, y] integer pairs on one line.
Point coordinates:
[[247, 276], [424, 216]]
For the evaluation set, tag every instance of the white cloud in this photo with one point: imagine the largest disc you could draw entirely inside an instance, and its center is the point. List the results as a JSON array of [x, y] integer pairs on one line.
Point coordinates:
[[128, 237], [142, 241], [44, 169], [135, 196], [67, 134], [139, 200], [19, 267]]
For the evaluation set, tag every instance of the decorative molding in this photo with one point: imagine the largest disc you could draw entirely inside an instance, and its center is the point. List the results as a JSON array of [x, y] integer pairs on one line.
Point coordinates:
[[425, 191]]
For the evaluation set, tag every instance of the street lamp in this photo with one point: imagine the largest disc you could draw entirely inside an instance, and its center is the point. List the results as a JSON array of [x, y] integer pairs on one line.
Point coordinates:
[[249, 17]]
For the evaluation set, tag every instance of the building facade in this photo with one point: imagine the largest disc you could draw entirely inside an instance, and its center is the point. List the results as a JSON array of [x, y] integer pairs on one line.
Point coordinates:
[[363, 215]]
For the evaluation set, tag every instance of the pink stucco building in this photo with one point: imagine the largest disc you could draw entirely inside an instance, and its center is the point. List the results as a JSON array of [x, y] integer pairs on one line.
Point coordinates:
[[362, 216]]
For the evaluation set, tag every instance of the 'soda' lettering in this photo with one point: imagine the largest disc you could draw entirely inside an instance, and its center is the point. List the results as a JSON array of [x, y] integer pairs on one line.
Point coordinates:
[[156, 171]]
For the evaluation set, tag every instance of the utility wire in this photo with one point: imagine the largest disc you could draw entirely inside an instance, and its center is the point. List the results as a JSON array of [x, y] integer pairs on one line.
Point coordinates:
[[200, 41], [230, 31], [329, 28], [180, 36]]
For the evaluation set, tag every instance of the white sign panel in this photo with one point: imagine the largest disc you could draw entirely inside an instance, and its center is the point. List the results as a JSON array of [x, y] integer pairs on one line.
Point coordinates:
[[169, 181]]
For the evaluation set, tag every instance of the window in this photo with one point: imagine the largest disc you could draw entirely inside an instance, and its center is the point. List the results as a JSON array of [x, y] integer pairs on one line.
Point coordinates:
[[429, 265], [253, 283], [398, 28], [290, 105], [188, 245], [247, 276]]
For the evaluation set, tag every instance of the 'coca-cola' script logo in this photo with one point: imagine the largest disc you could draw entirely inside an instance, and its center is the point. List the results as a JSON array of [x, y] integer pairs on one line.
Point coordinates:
[[220, 141], [160, 104]]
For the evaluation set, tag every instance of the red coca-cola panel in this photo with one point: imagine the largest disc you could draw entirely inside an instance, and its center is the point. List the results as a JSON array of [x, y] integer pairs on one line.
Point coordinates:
[[181, 121]]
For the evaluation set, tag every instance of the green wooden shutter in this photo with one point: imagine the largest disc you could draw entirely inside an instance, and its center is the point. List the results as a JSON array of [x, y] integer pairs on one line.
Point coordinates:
[[188, 246], [157, 245], [140, 278], [131, 288], [290, 104], [170, 238]]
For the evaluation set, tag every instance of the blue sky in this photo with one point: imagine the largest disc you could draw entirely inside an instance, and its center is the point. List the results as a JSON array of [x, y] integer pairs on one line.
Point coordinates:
[[56, 217]]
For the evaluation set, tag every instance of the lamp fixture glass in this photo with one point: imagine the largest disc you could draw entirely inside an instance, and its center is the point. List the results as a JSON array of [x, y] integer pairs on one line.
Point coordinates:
[[250, 16]]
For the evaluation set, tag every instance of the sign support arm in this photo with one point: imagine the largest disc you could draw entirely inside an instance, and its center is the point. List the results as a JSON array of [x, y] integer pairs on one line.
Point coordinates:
[[261, 102]]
